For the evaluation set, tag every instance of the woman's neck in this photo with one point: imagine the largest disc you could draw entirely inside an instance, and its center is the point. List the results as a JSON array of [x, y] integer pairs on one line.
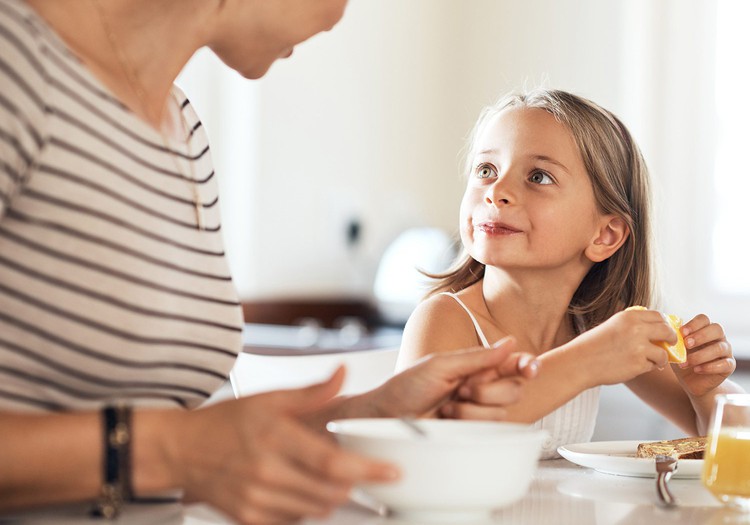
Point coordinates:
[[534, 307], [136, 48]]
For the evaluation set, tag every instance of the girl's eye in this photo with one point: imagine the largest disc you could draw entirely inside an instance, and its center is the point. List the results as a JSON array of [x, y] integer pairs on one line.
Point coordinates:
[[485, 172], [540, 177]]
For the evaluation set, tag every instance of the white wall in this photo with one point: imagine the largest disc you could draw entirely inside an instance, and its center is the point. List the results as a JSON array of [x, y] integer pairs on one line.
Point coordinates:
[[368, 121]]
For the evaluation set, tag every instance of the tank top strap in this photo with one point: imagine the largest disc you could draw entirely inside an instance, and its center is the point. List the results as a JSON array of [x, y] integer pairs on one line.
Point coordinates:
[[478, 328]]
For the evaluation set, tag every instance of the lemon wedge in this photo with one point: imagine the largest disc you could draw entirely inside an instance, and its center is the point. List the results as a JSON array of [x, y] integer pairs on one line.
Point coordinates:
[[677, 353]]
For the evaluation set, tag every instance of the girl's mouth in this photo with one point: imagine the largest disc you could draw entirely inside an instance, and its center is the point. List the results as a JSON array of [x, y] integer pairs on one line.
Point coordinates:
[[495, 228]]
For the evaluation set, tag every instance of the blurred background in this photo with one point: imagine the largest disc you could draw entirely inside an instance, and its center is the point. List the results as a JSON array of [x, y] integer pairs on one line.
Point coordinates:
[[357, 139]]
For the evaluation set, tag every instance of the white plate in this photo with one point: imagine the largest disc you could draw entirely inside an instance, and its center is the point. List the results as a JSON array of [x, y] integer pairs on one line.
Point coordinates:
[[618, 457]]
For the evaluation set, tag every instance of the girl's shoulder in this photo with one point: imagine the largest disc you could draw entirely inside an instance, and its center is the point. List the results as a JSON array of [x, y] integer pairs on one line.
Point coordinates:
[[438, 324], [441, 307]]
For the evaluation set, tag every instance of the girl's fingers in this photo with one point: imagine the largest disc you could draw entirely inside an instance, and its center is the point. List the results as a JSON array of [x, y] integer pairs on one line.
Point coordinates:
[[723, 367], [459, 410], [708, 353], [497, 393], [656, 356], [696, 323], [518, 364], [664, 333], [528, 366], [703, 335], [485, 376]]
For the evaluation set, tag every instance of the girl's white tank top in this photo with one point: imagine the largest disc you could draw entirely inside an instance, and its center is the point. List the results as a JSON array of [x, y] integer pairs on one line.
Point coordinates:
[[573, 422]]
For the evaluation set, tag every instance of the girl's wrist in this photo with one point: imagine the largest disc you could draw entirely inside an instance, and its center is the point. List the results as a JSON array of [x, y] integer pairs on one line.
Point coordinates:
[[575, 357]]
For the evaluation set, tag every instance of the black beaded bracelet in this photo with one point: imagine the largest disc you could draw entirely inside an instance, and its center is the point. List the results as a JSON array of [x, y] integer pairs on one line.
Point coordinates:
[[116, 487]]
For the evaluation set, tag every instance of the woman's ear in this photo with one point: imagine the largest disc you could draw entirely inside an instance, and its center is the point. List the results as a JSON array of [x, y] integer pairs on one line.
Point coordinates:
[[612, 233]]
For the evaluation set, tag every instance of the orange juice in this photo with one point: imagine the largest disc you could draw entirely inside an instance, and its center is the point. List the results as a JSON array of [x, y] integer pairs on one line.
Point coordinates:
[[726, 469]]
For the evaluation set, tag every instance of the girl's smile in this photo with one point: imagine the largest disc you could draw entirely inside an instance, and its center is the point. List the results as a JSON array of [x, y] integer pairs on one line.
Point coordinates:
[[495, 229]]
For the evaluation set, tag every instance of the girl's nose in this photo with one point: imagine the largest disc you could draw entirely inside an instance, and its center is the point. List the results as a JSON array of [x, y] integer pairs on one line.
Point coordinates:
[[499, 194], [502, 200]]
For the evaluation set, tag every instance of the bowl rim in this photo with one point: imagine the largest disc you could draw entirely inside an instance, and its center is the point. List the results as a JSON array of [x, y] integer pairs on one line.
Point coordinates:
[[526, 431]]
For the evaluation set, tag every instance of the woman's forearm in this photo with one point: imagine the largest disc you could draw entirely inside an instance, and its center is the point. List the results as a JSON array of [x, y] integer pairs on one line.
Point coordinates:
[[57, 458], [46, 459]]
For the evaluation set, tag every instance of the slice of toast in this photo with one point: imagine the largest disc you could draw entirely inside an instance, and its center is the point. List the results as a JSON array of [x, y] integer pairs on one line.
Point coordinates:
[[684, 448]]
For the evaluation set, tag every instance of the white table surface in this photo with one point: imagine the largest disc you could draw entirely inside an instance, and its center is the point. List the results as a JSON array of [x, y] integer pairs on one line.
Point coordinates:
[[562, 493]]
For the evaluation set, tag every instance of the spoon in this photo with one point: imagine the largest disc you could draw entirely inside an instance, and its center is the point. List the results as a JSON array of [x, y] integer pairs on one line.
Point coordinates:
[[665, 467], [414, 427]]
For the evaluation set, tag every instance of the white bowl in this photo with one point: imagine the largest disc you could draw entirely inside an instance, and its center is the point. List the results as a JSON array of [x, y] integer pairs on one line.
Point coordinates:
[[461, 471]]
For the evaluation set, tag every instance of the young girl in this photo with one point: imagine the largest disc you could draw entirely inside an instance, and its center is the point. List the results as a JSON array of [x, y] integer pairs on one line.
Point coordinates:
[[555, 225]]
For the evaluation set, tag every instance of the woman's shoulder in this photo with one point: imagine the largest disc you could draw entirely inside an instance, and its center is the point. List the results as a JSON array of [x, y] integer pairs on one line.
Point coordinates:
[[27, 59], [25, 33]]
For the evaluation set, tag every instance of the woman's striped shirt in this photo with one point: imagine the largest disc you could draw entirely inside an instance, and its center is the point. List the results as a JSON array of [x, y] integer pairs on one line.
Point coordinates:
[[108, 290]]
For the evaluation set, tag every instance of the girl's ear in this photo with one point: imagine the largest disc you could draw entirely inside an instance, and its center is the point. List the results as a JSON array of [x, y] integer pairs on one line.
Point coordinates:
[[613, 232]]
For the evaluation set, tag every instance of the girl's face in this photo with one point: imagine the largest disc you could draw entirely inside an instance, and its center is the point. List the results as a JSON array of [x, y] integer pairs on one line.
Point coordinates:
[[529, 203], [252, 34]]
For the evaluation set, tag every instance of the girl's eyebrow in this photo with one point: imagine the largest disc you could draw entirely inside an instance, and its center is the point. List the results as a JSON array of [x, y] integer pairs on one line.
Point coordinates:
[[545, 158], [487, 152]]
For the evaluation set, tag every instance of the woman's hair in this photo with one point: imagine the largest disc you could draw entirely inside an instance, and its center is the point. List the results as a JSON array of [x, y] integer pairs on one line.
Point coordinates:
[[620, 179]]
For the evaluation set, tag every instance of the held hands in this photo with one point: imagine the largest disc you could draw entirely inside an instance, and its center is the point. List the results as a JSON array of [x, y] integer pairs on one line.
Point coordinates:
[[709, 357], [432, 386], [257, 461], [253, 458]]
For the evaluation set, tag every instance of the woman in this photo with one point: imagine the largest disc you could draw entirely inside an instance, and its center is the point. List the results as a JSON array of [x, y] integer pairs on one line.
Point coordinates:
[[114, 291]]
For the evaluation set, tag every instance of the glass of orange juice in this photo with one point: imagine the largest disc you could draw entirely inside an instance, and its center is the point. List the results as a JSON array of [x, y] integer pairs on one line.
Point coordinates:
[[726, 467]]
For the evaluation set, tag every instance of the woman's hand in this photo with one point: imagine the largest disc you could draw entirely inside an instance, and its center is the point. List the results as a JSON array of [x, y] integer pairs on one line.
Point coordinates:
[[431, 384], [253, 458], [709, 357]]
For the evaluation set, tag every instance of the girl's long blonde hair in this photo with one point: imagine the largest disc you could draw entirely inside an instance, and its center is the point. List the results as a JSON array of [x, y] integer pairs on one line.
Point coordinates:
[[620, 179]]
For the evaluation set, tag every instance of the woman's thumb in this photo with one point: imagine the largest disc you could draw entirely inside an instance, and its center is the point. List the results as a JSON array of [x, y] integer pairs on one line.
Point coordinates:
[[312, 397]]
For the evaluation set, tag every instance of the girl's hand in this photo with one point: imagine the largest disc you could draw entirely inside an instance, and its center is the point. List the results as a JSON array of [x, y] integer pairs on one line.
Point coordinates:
[[487, 395], [431, 384], [709, 357], [255, 460], [626, 346]]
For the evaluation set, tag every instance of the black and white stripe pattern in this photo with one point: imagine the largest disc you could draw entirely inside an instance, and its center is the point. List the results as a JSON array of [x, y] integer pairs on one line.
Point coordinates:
[[107, 288]]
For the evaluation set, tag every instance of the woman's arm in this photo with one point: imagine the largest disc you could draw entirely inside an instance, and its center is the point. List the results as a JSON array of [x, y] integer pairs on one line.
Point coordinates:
[[49, 458], [428, 385], [252, 458]]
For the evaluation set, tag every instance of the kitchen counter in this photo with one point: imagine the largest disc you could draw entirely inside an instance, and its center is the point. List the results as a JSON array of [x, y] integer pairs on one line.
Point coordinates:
[[561, 493]]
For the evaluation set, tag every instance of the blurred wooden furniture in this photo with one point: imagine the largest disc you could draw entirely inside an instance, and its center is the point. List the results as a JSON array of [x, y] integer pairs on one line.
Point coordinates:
[[292, 311]]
